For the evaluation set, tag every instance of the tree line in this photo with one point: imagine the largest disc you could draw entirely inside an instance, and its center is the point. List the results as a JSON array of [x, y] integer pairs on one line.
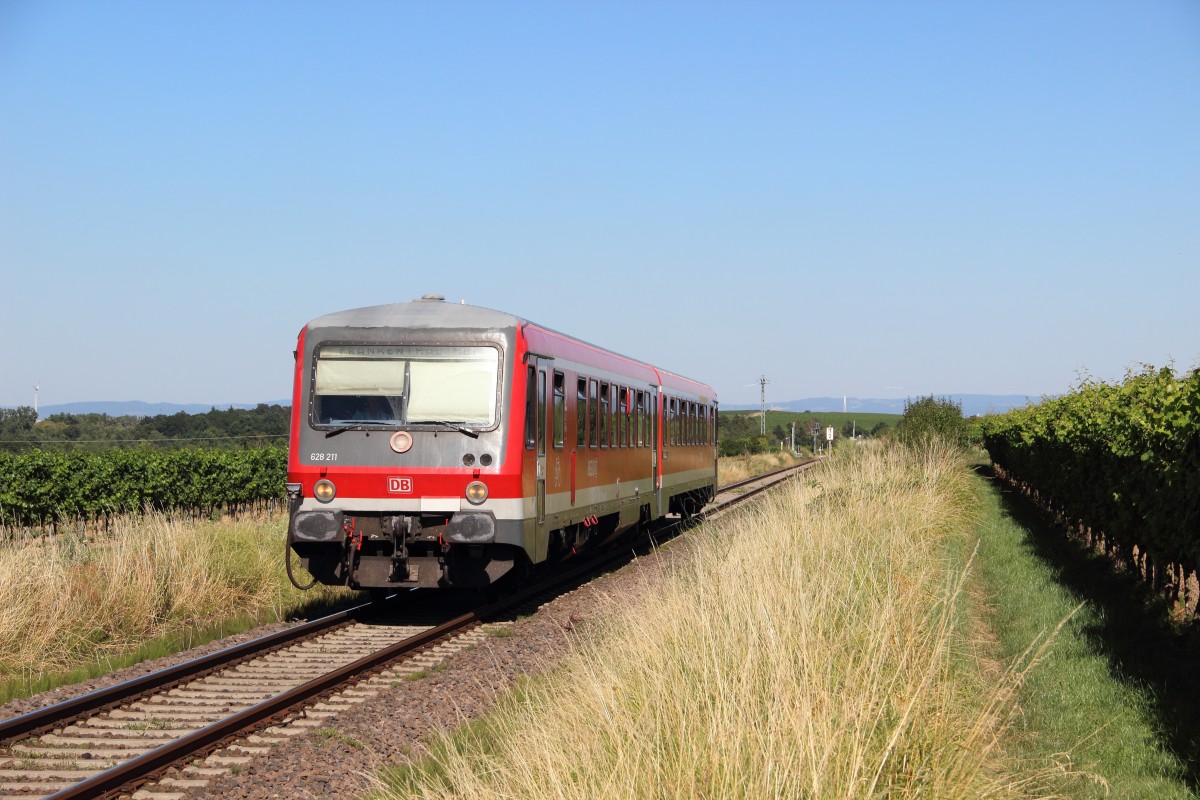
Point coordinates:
[[20, 429], [740, 433]]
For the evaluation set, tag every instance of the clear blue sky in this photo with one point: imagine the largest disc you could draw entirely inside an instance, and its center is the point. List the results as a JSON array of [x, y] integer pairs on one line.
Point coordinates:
[[864, 198]]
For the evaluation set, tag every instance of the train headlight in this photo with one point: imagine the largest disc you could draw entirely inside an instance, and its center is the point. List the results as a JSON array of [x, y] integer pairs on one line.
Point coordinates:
[[477, 492], [324, 490]]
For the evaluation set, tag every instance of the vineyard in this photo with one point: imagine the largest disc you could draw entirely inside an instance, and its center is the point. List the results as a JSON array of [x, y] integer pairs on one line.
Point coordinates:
[[1119, 462], [44, 489]]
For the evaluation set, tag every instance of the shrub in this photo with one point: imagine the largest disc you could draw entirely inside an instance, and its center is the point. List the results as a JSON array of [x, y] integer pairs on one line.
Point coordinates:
[[930, 418]]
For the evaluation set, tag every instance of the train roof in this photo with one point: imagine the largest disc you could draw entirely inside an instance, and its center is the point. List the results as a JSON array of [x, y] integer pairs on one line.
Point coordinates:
[[430, 311]]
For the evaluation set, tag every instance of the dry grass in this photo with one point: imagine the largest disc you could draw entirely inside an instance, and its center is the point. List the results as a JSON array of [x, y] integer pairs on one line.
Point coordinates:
[[73, 601], [816, 647], [736, 468]]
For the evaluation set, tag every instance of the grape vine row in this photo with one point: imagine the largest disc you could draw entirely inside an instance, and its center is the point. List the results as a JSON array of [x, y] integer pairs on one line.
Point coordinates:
[[42, 488], [1121, 459]]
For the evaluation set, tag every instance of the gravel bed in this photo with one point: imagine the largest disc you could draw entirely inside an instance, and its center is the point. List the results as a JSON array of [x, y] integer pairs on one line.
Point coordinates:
[[339, 760], [16, 708]]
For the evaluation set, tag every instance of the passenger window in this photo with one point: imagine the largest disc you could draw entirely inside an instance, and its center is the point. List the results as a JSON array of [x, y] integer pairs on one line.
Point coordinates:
[[680, 410], [637, 419], [620, 407], [673, 422], [645, 398], [624, 417], [593, 413], [581, 412], [560, 399], [633, 418], [666, 421], [530, 408], [613, 437], [604, 415]]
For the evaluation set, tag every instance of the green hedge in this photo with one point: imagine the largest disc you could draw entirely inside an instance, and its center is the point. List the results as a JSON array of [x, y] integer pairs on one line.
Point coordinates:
[[42, 487], [1124, 459]]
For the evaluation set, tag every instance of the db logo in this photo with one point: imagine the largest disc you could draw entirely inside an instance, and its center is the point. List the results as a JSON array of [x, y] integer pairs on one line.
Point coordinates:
[[400, 485]]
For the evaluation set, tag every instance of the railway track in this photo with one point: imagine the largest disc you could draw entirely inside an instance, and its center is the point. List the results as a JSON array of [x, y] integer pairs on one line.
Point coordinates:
[[174, 729]]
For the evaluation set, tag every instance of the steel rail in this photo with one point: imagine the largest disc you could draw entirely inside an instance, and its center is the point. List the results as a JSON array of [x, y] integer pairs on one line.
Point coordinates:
[[789, 468], [34, 722], [138, 770]]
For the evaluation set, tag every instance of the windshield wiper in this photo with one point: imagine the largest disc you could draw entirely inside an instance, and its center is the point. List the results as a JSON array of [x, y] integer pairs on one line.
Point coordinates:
[[361, 426], [452, 425]]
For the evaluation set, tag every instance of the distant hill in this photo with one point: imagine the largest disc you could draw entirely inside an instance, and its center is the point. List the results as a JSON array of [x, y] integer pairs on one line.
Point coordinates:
[[138, 408], [972, 404]]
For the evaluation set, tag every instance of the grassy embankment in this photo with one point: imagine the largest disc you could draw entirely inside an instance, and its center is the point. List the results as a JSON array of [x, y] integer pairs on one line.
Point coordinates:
[[843, 664], [73, 609], [1115, 701]]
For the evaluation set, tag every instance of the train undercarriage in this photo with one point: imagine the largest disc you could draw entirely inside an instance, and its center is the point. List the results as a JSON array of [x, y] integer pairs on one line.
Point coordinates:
[[373, 551]]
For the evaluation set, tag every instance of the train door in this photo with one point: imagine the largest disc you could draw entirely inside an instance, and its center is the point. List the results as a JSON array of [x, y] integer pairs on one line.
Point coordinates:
[[535, 436], [541, 447], [656, 448]]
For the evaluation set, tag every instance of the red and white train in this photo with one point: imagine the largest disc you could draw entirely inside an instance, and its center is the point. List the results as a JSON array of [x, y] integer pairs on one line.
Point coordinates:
[[435, 444]]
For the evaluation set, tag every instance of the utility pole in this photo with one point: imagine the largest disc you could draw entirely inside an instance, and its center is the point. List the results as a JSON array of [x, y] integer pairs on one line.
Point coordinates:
[[762, 405], [36, 389]]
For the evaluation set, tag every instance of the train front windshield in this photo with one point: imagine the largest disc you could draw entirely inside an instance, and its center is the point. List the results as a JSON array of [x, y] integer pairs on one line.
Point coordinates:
[[398, 385]]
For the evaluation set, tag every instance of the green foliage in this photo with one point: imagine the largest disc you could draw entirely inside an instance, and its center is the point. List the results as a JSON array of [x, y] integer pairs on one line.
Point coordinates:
[[44, 487], [235, 427], [929, 418], [17, 420], [738, 431], [1124, 458]]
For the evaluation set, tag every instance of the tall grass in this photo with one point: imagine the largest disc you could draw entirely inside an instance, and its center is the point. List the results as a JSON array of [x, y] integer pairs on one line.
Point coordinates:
[[735, 468], [73, 601], [813, 646]]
